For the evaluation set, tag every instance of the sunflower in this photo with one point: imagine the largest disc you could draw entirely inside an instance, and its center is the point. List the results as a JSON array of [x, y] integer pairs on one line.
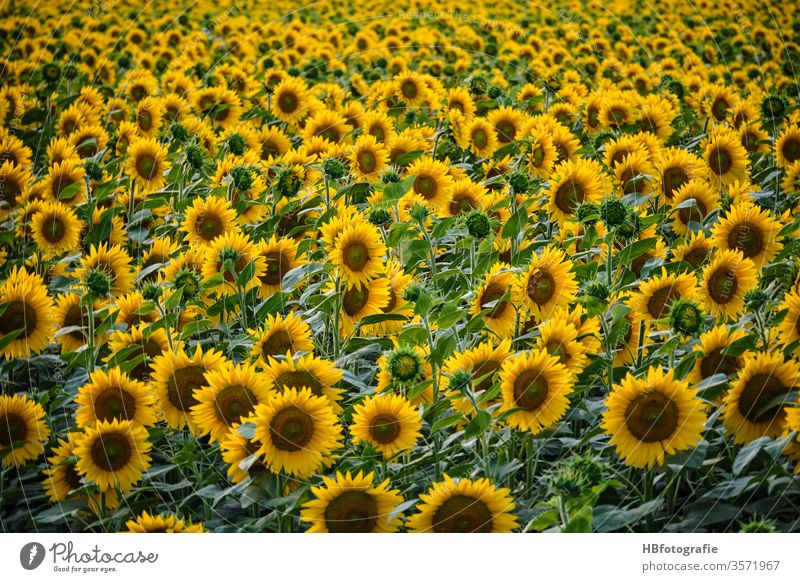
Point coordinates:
[[273, 142], [149, 116], [789, 327], [693, 202], [406, 370], [726, 281], [694, 251], [541, 156], [226, 261], [390, 423], [27, 313], [291, 101], [177, 377], [399, 280], [464, 506], [218, 106], [55, 228], [712, 358], [316, 374], [478, 136], [574, 182], [787, 146], [750, 230], [380, 126], [352, 504], [281, 335], [634, 174], [61, 477], [653, 417], [725, 157], [208, 219], [466, 195], [368, 158], [113, 454], [147, 164], [756, 404], [482, 362], [240, 453], [654, 297], [548, 283], [65, 182], [72, 316], [281, 255], [493, 295], [22, 429], [459, 99], [89, 140], [359, 254], [410, 89], [155, 258], [560, 339], [230, 394], [140, 345], [431, 181], [539, 385], [113, 395], [165, 523], [296, 430], [328, 125]]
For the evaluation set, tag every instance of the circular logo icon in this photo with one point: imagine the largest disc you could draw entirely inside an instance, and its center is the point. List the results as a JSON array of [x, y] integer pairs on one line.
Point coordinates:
[[31, 555]]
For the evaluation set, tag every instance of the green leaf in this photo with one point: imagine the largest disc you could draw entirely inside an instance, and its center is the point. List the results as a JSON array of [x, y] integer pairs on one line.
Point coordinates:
[[635, 250], [515, 223], [610, 517], [748, 453], [478, 424]]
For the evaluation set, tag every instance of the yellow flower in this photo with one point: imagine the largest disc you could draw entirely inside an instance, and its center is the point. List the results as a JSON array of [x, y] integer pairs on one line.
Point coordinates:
[[464, 506], [113, 395], [22, 429], [296, 430], [539, 385], [113, 454], [388, 422], [352, 504], [651, 418]]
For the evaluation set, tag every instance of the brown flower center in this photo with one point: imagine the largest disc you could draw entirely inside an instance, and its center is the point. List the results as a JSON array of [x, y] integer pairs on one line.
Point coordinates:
[[277, 267], [356, 256], [298, 379], [18, 315], [114, 403], [722, 285], [720, 161], [385, 429], [758, 391], [659, 302], [12, 429], [463, 514], [651, 417], [493, 292], [541, 287], [673, 179], [354, 300], [425, 186], [233, 403], [747, 238], [715, 362], [146, 166], [291, 429], [352, 512], [111, 451], [530, 390], [277, 344], [568, 196], [182, 385]]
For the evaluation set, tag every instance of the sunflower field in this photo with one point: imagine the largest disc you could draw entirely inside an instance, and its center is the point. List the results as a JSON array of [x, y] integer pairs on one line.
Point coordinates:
[[373, 266]]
